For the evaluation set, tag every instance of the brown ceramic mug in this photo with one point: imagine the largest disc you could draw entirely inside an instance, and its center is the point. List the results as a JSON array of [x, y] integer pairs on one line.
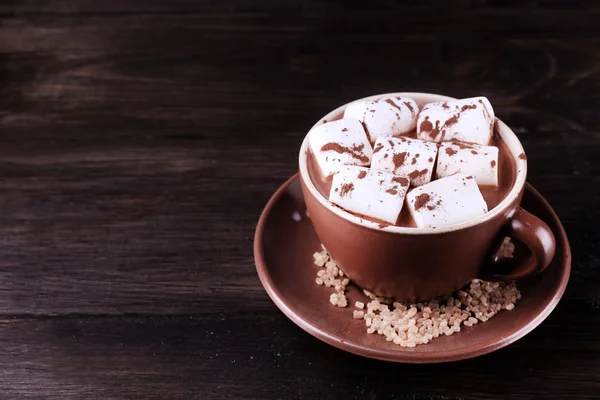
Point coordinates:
[[421, 263]]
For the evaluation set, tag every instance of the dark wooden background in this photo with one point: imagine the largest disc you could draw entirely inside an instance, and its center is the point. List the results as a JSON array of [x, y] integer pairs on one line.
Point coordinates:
[[140, 141]]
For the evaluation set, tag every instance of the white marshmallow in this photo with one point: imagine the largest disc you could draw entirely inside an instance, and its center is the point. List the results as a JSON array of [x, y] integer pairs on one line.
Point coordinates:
[[468, 120], [386, 116], [374, 194], [446, 201], [408, 157], [481, 162], [337, 143]]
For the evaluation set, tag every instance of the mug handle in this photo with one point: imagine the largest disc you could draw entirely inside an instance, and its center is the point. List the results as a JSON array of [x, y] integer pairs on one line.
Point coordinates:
[[537, 236]]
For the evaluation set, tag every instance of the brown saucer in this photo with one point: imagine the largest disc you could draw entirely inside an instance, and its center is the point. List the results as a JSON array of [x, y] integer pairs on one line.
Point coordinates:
[[283, 249]]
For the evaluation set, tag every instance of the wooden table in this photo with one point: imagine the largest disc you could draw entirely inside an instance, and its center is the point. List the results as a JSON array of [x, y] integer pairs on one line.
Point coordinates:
[[140, 141]]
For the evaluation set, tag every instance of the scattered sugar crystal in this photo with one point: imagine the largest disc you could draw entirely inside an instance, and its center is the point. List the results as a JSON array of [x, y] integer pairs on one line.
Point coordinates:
[[410, 324]]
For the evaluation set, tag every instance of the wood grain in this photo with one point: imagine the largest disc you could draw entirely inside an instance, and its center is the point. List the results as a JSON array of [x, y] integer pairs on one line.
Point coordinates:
[[141, 140]]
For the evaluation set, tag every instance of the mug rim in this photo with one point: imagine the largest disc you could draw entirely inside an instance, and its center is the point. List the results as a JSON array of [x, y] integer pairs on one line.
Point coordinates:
[[508, 136]]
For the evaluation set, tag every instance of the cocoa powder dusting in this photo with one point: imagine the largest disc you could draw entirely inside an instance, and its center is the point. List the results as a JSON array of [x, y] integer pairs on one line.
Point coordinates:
[[398, 159], [379, 147], [445, 105], [468, 107], [435, 131], [392, 191], [391, 103], [474, 152], [345, 130], [430, 159], [410, 107], [354, 151], [401, 180], [451, 121], [381, 226], [346, 188], [450, 151], [416, 173], [461, 145], [426, 126], [421, 200], [522, 156], [493, 163], [362, 174]]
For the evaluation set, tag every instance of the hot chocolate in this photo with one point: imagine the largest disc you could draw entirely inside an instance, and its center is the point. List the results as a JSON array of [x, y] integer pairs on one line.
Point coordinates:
[[493, 195]]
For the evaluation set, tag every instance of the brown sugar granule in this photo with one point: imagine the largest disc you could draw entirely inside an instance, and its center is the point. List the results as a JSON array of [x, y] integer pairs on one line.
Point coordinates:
[[410, 324], [522, 156], [450, 151], [362, 174], [493, 163], [507, 249], [421, 200], [401, 180], [331, 276], [346, 188], [354, 151], [398, 159]]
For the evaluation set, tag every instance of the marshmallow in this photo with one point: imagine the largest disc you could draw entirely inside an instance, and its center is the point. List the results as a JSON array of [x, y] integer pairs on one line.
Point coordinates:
[[479, 161], [468, 120], [374, 194], [446, 201], [337, 143], [386, 116], [408, 157]]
